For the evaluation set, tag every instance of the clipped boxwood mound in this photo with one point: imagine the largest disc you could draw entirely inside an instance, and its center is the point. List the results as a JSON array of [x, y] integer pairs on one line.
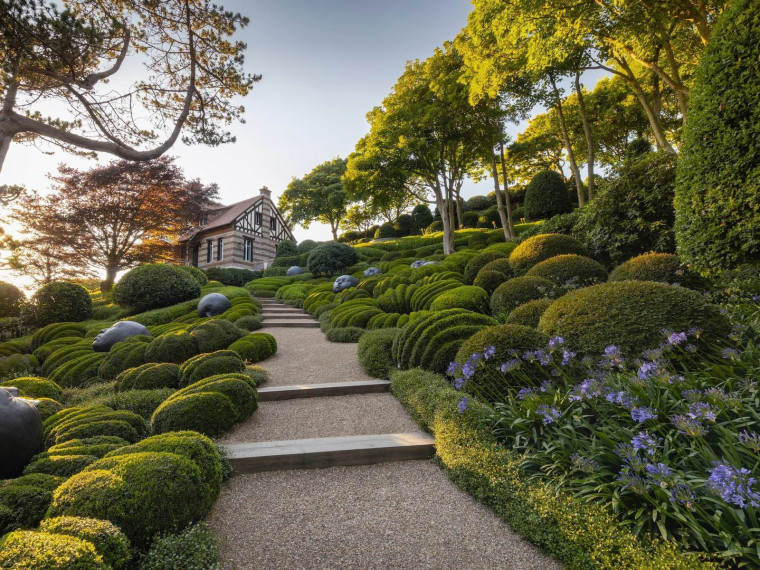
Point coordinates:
[[255, 347], [24, 501], [124, 355], [60, 301], [631, 315], [57, 330], [173, 347], [142, 402], [513, 293], [468, 297], [215, 335], [149, 376], [354, 313], [528, 314], [91, 421], [374, 351], [330, 258], [34, 387], [424, 295], [144, 494], [489, 280], [249, 323], [34, 550], [108, 540], [546, 196], [570, 271], [78, 370], [477, 263], [59, 465], [209, 364], [543, 246], [344, 334], [155, 285], [660, 267]]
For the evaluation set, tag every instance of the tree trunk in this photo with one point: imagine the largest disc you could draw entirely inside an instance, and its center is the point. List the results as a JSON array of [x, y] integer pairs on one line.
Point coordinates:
[[448, 242], [452, 218], [566, 139], [499, 202], [507, 199], [587, 134], [107, 284], [7, 131]]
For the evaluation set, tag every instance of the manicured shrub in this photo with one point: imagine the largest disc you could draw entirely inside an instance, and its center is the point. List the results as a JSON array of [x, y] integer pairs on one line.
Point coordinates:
[[97, 446], [716, 200], [209, 364], [11, 300], [489, 218], [167, 314], [424, 295], [124, 355], [195, 273], [55, 331], [173, 347], [34, 387], [286, 248], [630, 315], [149, 376], [660, 267], [354, 313], [374, 351], [257, 374], [24, 501], [59, 301], [470, 219], [108, 540], [307, 245], [249, 323], [404, 225], [345, 334], [232, 276], [141, 402], [47, 407], [422, 217], [91, 421], [467, 297], [192, 549], [33, 550], [489, 280], [255, 347], [541, 247], [528, 314], [475, 264], [501, 265], [215, 335], [546, 196], [386, 230], [59, 465], [143, 494], [79, 370], [330, 258], [478, 203], [570, 271], [435, 226], [513, 293], [154, 285]]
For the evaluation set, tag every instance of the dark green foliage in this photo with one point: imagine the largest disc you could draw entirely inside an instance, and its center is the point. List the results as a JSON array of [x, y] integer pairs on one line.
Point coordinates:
[[34, 387], [541, 247], [546, 196], [17, 365], [631, 315], [307, 245], [717, 199], [209, 364], [24, 501], [79, 370], [108, 540], [489, 218], [255, 347], [195, 273], [141, 402], [96, 446], [422, 217], [390, 256], [386, 230], [330, 258], [172, 347], [124, 355], [249, 323], [479, 203], [33, 550], [257, 374], [477, 241], [59, 465], [505, 339], [167, 314], [11, 300], [570, 271], [435, 226], [513, 293], [345, 334], [374, 351], [59, 301], [231, 276], [502, 265], [660, 267], [149, 376], [477, 263], [154, 285], [215, 335], [91, 421], [397, 300], [47, 407], [470, 219], [528, 314], [467, 297], [355, 313], [404, 225], [425, 294], [632, 212], [286, 248], [489, 280], [193, 549], [144, 494]]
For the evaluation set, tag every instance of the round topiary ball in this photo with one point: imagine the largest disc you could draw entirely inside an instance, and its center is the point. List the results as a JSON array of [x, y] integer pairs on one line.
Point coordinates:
[[630, 315], [374, 352], [470, 219], [330, 258], [195, 273], [546, 196], [660, 267], [528, 314], [11, 300], [286, 248], [35, 550], [543, 246], [155, 285], [570, 271], [477, 263], [468, 297], [60, 301], [489, 280], [513, 293], [435, 226]]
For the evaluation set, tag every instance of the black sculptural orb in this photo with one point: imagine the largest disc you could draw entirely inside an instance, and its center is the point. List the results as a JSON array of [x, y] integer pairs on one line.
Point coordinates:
[[344, 282], [20, 432], [294, 270], [118, 332], [372, 271], [213, 304]]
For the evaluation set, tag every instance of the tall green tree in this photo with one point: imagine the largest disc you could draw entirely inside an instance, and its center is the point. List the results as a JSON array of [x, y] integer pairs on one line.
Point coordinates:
[[317, 197]]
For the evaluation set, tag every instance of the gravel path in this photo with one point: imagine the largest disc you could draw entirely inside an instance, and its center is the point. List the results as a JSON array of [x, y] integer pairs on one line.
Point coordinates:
[[332, 416], [404, 515]]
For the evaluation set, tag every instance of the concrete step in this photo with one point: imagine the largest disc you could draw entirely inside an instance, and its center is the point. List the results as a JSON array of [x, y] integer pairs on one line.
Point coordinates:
[[286, 316], [283, 310], [271, 393], [329, 451], [296, 324]]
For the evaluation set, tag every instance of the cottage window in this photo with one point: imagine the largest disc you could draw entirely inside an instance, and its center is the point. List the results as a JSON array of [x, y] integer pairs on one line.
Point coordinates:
[[248, 249], [209, 252], [220, 249]]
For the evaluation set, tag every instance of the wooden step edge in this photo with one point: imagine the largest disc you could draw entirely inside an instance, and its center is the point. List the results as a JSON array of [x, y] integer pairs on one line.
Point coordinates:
[[329, 452], [293, 324], [286, 316], [275, 393]]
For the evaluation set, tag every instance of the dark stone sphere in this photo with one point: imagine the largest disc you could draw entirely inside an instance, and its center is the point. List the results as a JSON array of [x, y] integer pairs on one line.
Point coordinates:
[[372, 271], [344, 282], [418, 263], [116, 333], [20, 433], [213, 304], [294, 270]]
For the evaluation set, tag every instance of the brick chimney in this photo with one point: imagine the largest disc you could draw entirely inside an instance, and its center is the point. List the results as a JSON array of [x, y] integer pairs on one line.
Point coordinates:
[[265, 192]]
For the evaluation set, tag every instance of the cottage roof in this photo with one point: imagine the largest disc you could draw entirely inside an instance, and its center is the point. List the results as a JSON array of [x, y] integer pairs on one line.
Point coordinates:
[[222, 216]]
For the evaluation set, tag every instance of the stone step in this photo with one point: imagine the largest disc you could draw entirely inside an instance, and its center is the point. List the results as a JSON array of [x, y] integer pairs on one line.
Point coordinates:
[[296, 324], [283, 310], [285, 316], [329, 451], [271, 393]]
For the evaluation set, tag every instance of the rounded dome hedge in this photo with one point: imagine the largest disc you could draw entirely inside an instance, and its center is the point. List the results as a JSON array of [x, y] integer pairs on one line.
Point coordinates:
[[489, 280], [330, 258], [570, 271], [60, 301], [631, 315], [528, 314], [660, 267], [513, 293], [155, 285], [543, 246], [11, 300], [546, 196]]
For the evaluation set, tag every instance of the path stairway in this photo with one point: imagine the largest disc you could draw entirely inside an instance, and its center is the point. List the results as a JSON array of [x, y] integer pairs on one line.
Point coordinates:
[[277, 314]]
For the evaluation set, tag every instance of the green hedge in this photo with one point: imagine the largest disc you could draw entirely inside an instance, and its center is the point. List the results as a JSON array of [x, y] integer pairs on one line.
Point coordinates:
[[60, 301], [543, 246], [194, 548], [209, 364], [149, 376], [546, 196], [90, 421], [578, 534], [570, 271], [55, 331], [215, 335], [35, 387], [374, 351], [154, 285], [108, 540], [344, 334], [124, 355], [173, 347], [475, 264], [255, 347], [34, 550], [659, 267], [528, 314], [513, 293], [24, 501], [468, 297]]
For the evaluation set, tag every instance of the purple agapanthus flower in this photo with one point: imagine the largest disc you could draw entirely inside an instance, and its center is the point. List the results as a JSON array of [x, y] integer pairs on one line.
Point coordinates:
[[702, 411], [659, 473], [649, 369], [567, 357], [731, 354], [633, 482], [462, 405], [683, 495], [468, 370], [622, 398], [688, 426], [489, 352], [452, 369], [642, 414], [677, 338], [692, 395], [510, 365], [645, 442], [734, 485], [556, 342], [750, 440], [589, 388], [459, 382], [525, 393], [550, 414]]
